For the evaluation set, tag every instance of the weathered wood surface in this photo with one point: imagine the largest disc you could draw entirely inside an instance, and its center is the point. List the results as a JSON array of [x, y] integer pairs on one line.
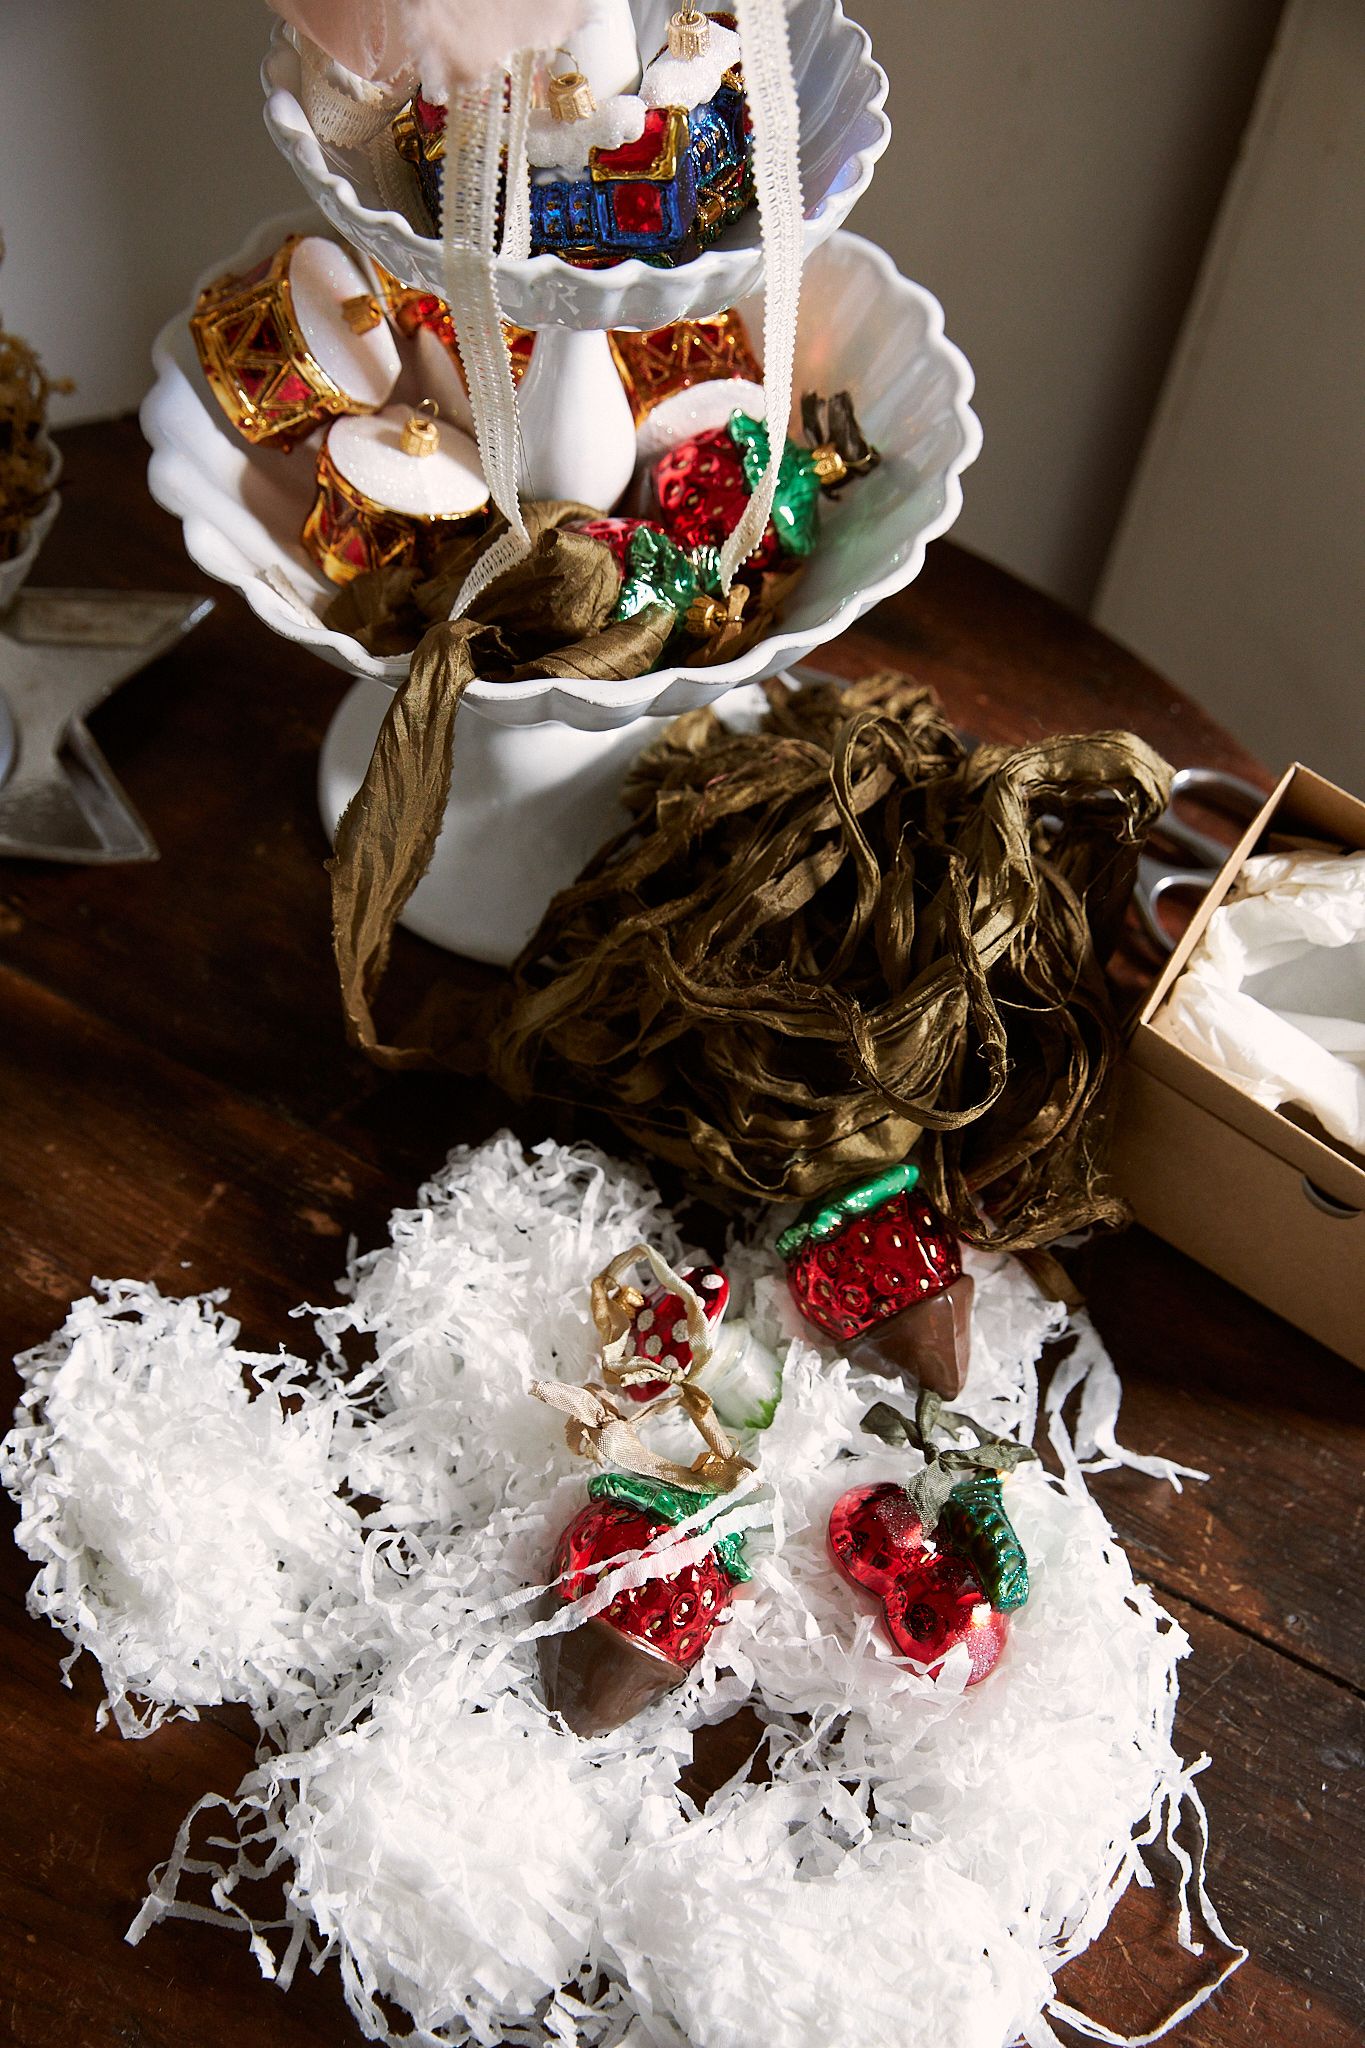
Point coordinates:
[[176, 1101]]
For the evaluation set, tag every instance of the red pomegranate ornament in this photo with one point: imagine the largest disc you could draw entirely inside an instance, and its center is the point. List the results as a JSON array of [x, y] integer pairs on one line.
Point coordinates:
[[645, 1642], [940, 1553], [878, 1269]]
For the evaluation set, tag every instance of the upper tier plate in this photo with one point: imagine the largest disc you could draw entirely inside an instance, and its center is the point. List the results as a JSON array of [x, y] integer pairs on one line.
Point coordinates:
[[844, 130]]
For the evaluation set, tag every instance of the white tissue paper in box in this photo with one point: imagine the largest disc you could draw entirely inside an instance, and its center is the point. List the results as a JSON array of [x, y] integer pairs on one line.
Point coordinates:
[[1274, 994]]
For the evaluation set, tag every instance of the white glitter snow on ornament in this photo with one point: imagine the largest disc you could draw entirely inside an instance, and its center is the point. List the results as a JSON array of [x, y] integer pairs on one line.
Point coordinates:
[[691, 81], [322, 277], [447, 483], [563, 146]]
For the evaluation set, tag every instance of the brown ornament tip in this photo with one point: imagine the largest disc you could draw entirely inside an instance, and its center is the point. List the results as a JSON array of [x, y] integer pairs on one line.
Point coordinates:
[[931, 1341], [597, 1679]]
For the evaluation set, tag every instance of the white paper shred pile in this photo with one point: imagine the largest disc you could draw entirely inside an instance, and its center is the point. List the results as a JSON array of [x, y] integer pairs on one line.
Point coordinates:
[[355, 1547]]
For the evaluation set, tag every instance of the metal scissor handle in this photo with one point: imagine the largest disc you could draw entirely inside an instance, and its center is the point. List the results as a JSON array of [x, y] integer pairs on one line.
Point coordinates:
[[1158, 876]]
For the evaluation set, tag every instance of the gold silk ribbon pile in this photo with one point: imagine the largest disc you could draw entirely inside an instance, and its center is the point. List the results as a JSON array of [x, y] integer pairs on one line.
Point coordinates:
[[843, 938], [817, 948]]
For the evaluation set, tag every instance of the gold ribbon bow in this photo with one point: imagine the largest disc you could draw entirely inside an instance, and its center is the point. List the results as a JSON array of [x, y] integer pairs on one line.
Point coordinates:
[[598, 1428]]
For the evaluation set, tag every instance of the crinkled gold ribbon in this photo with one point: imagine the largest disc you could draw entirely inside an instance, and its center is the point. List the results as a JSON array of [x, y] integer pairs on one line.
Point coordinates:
[[598, 1428], [549, 616], [845, 937]]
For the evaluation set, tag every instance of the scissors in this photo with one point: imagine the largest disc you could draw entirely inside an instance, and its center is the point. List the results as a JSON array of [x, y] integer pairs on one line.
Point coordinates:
[[1192, 860]]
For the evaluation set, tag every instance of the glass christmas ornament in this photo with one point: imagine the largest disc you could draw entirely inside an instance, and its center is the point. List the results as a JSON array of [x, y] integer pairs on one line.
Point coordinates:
[[875, 1533], [661, 1331], [686, 379], [389, 486], [655, 177], [278, 350], [932, 1598], [619, 1661], [703, 485], [878, 1269], [938, 1603]]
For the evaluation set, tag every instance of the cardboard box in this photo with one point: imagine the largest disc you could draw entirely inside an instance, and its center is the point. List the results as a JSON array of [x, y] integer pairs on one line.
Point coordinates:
[[1246, 1190]]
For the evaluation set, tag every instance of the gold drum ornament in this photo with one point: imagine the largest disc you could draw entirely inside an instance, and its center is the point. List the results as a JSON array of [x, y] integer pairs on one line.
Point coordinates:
[[282, 348], [390, 488]]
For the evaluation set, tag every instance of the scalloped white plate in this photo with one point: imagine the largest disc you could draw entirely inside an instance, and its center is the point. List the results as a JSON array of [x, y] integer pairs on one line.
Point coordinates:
[[864, 327], [844, 129]]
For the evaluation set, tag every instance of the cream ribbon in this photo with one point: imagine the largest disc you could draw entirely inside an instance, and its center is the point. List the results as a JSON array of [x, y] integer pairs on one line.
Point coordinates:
[[776, 117], [598, 1428], [478, 127], [615, 1306]]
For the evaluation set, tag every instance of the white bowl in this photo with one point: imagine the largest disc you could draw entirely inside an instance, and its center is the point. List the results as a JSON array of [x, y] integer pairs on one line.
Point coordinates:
[[14, 572], [844, 130], [864, 327]]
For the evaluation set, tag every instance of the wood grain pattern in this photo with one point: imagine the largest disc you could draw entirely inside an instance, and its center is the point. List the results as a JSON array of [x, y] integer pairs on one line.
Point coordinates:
[[176, 1101]]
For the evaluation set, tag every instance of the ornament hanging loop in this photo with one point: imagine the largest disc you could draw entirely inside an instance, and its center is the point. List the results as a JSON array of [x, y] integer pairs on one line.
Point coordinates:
[[689, 33], [597, 1428], [571, 96], [421, 435]]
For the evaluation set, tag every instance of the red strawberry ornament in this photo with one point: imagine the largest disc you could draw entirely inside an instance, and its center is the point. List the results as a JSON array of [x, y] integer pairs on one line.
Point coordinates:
[[879, 1270], [620, 1660]]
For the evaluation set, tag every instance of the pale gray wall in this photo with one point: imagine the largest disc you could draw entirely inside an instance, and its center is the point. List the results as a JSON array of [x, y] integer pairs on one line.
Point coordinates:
[[132, 154], [1240, 563], [1054, 169]]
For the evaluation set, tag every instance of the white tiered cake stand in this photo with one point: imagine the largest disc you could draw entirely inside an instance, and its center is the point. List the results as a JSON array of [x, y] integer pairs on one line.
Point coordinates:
[[538, 763]]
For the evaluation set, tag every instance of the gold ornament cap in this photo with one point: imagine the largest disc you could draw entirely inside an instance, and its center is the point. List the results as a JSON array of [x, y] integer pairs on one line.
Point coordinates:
[[362, 312], [421, 435], [717, 619], [830, 466], [571, 97], [689, 33]]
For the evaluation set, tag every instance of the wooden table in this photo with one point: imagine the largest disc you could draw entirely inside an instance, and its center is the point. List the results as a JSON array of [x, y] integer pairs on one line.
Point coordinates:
[[177, 1102]]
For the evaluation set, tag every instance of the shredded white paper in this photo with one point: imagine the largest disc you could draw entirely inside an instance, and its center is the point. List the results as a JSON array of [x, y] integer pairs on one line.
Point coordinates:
[[355, 1547]]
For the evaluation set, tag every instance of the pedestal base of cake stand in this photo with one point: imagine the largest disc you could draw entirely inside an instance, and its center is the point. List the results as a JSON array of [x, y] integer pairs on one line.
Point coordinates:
[[529, 805]]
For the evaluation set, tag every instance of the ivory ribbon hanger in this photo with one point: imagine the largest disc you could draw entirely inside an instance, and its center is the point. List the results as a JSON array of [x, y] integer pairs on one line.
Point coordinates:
[[776, 117], [614, 1308], [598, 1427]]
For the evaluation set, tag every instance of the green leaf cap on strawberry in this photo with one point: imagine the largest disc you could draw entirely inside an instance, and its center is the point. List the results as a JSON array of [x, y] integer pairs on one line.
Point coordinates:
[[672, 1504], [819, 1220]]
